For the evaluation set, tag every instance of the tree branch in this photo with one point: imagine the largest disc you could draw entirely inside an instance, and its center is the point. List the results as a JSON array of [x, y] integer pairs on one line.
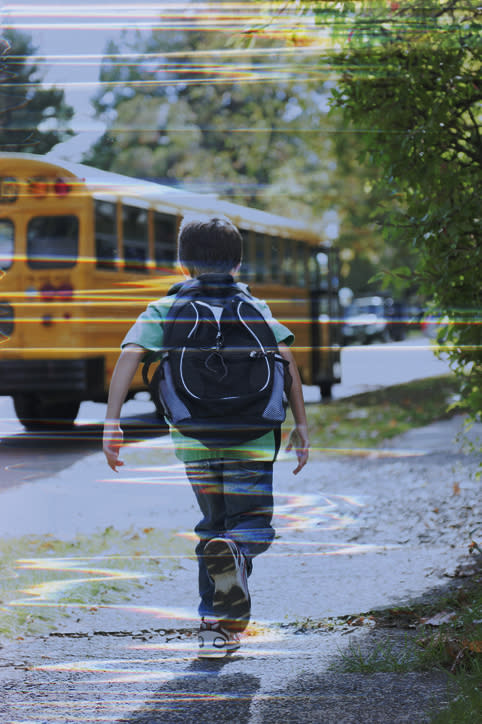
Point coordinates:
[[475, 125]]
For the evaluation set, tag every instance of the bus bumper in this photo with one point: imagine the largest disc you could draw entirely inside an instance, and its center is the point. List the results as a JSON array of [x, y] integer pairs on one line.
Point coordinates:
[[81, 379]]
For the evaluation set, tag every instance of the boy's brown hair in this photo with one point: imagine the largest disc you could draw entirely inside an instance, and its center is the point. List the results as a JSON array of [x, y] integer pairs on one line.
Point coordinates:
[[209, 245]]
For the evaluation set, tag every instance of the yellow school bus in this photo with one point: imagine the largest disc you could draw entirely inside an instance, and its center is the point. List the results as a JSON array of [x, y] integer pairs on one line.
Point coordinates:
[[82, 251]]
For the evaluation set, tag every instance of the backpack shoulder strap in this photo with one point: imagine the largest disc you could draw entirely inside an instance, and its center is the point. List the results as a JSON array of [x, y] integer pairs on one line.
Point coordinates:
[[183, 288], [181, 291], [247, 311], [217, 285]]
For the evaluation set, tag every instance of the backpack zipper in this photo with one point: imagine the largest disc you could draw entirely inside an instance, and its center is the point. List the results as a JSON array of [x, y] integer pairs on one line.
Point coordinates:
[[219, 342], [260, 345]]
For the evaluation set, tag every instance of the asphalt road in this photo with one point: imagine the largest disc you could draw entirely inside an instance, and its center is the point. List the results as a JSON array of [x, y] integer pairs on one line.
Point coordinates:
[[379, 365]]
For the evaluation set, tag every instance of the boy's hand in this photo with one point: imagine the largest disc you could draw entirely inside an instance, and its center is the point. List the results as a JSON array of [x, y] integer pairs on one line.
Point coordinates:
[[112, 442], [298, 440]]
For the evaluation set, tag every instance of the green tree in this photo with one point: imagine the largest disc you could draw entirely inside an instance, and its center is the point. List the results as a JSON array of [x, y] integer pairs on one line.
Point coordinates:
[[362, 200], [248, 123], [33, 119], [190, 107], [409, 84]]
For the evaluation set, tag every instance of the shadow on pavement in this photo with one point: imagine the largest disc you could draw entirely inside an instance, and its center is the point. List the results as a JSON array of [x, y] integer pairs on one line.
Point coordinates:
[[30, 455], [80, 435], [378, 698], [201, 695]]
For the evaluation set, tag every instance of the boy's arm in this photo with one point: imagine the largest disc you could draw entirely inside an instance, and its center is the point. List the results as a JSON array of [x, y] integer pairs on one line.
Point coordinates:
[[124, 371], [298, 438]]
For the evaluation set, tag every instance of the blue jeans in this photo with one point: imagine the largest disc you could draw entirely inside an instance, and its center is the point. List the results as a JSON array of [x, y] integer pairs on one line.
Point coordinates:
[[236, 500]]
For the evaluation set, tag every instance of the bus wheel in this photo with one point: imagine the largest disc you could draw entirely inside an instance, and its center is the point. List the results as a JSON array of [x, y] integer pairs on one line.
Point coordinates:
[[37, 413], [325, 389]]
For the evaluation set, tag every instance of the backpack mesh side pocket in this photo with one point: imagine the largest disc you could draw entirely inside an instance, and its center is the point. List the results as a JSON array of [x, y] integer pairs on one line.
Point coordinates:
[[275, 410]]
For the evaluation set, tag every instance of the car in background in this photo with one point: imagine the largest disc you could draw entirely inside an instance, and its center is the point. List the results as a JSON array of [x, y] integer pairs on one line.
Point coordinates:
[[365, 321], [374, 318]]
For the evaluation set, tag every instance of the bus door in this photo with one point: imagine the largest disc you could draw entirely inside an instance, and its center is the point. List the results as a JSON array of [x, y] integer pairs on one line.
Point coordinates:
[[40, 220], [44, 366], [39, 254], [325, 324]]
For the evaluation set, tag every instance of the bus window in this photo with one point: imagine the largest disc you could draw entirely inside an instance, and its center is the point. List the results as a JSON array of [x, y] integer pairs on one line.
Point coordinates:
[[276, 257], [288, 261], [300, 264], [52, 242], [322, 260], [324, 307], [313, 272], [105, 235], [260, 241], [247, 267], [334, 262], [135, 234], [7, 240], [164, 241]]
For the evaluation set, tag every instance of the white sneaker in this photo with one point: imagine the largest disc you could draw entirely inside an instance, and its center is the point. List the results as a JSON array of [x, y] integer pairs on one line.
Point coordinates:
[[227, 567], [215, 641]]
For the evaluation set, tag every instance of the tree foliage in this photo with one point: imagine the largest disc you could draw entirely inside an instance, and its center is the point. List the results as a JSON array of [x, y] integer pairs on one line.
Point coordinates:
[[33, 119], [409, 83], [187, 107], [199, 109]]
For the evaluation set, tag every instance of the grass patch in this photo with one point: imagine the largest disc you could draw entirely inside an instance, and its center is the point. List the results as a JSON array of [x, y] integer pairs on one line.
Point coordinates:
[[466, 707], [397, 655], [444, 634], [44, 580], [366, 420]]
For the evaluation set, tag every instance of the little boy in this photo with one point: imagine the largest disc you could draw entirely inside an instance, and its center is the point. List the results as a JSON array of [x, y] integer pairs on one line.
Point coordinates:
[[233, 485]]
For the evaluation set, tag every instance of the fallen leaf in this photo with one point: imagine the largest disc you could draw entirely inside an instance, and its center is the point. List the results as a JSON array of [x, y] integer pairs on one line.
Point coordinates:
[[439, 619], [456, 489], [358, 621], [475, 646]]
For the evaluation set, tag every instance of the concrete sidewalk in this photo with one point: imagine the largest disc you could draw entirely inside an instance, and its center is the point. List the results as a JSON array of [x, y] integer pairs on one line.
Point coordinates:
[[365, 517], [354, 532]]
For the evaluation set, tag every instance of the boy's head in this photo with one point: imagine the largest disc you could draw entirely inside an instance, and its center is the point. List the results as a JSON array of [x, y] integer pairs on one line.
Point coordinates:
[[210, 244]]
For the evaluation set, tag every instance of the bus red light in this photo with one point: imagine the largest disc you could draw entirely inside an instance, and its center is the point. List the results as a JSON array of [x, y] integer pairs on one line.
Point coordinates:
[[62, 188], [47, 293], [65, 292]]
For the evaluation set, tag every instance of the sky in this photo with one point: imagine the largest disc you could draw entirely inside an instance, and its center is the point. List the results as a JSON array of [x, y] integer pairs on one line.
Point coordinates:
[[71, 36]]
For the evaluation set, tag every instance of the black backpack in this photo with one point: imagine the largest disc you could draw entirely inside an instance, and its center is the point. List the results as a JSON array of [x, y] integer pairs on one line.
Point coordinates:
[[221, 379]]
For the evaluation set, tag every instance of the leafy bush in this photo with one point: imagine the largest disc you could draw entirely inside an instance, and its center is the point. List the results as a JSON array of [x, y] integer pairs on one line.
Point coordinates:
[[409, 84]]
